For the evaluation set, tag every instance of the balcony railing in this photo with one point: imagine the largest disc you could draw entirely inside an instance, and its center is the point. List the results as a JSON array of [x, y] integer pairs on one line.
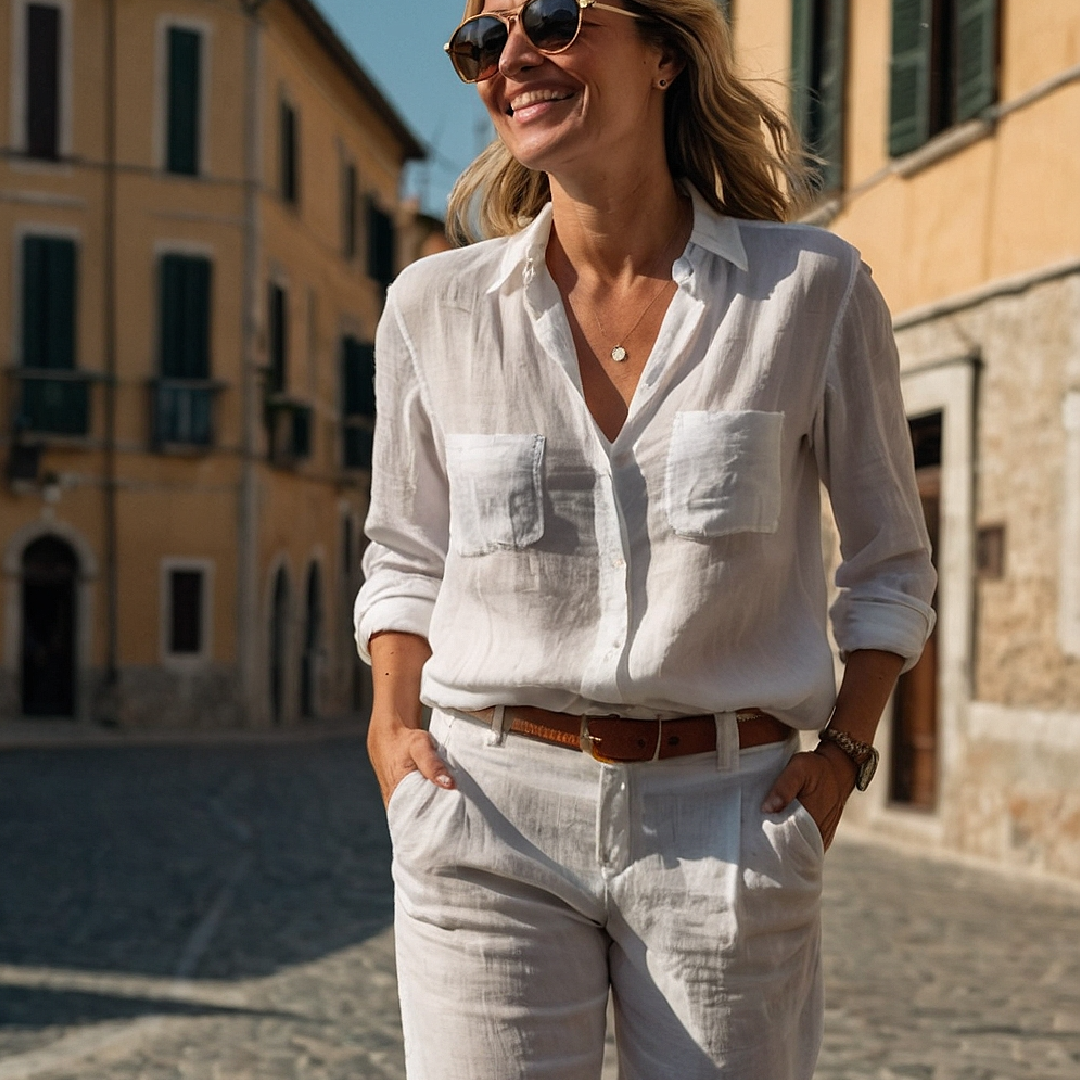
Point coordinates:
[[53, 402], [183, 412], [289, 430], [357, 438]]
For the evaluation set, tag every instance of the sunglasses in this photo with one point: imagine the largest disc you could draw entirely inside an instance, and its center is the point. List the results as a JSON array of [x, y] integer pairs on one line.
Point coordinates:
[[551, 26]]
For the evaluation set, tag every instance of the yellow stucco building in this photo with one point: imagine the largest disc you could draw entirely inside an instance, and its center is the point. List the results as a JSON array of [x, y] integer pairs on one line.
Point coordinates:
[[198, 217], [949, 131]]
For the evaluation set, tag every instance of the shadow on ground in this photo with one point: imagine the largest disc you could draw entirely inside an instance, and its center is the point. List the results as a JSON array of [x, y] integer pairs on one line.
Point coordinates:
[[206, 862]]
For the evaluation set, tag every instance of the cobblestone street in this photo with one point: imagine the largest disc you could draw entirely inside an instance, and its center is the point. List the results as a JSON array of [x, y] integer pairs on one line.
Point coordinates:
[[223, 913]]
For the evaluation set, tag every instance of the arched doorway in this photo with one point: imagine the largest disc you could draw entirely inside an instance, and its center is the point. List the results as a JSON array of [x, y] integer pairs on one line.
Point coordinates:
[[50, 569], [309, 662], [279, 634]]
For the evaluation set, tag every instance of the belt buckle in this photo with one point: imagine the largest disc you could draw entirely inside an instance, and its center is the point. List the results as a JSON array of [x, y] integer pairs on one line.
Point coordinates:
[[589, 743]]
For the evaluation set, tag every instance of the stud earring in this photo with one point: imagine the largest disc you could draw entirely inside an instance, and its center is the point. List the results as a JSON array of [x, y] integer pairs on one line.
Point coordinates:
[[662, 83]]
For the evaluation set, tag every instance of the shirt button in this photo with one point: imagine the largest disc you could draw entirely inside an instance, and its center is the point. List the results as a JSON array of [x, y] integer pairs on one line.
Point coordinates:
[[622, 458], [618, 564]]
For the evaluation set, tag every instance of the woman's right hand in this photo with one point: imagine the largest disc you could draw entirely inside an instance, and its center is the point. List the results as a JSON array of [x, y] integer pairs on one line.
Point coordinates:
[[397, 745], [397, 749]]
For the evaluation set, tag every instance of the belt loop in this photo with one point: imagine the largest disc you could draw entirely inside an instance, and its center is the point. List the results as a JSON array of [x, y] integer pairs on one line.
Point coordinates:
[[727, 742], [498, 726]]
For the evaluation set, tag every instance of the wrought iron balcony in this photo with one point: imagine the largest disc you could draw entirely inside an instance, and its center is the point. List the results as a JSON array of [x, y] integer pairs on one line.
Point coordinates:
[[53, 401], [183, 412], [289, 426], [357, 437]]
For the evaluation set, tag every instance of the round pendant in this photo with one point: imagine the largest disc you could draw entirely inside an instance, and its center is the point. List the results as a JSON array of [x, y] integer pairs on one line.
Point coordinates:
[[618, 354]]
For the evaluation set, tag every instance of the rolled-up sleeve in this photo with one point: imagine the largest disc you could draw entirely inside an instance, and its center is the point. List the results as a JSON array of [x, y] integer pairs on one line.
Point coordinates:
[[886, 579], [408, 516]]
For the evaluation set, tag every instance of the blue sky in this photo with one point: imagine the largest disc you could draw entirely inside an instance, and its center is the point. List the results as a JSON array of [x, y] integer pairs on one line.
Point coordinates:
[[400, 42]]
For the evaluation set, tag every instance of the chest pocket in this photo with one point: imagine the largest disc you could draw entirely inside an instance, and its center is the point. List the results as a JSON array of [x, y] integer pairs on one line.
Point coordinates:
[[723, 472], [496, 492]]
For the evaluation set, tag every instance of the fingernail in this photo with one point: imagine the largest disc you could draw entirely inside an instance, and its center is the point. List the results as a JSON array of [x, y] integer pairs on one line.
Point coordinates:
[[444, 781], [770, 806]]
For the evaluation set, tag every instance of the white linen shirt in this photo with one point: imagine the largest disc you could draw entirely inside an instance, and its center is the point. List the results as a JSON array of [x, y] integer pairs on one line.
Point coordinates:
[[677, 570]]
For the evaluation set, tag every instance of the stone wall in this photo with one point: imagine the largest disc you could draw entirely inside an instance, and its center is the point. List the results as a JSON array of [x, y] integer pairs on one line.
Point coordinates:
[[1010, 738]]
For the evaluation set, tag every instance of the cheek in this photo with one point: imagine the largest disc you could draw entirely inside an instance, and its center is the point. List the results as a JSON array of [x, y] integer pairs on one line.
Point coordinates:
[[487, 98]]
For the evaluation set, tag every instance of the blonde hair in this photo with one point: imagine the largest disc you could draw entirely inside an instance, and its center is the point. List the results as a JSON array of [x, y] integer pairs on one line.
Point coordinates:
[[721, 136]]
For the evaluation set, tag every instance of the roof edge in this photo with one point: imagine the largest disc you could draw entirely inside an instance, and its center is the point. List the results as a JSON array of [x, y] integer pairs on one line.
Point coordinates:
[[329, 38]]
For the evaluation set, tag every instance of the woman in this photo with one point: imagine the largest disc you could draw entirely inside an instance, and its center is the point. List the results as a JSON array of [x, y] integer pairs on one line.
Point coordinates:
[[595, 553]]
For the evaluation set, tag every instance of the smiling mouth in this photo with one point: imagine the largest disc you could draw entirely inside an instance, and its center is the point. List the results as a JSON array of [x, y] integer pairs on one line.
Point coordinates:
[[536, 97]]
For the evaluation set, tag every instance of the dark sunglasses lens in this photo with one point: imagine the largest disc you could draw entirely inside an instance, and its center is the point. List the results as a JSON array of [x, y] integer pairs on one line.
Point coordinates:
[[551, 25], [476, 47]]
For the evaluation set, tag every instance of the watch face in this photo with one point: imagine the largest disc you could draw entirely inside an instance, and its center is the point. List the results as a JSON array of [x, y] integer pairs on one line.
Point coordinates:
[[866, 771]]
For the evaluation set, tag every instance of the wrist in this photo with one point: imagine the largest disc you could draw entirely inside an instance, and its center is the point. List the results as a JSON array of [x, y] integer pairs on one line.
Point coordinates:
[[844, 769]]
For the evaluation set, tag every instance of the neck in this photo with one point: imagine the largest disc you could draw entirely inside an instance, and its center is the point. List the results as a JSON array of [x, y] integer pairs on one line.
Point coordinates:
[[617, 230]]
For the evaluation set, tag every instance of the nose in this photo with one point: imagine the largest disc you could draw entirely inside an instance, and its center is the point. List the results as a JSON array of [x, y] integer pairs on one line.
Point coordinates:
[[519, 53]]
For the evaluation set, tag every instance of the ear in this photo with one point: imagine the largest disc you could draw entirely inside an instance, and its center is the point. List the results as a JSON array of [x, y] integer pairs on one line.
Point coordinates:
[[669, 66]]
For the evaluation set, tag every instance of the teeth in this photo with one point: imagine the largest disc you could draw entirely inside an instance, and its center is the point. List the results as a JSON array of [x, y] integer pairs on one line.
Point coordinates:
[[533, 97]]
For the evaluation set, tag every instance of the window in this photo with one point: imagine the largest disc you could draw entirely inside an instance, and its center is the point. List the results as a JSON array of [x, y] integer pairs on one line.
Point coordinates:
[[944, 67], [186, 609], [818, 56], [357, 402], [42, 80], [183, 120], [277, 340], [183, 394], [380, 245], [185, 612], [289, 152], [348, 211], [185, 317], [48, 338], [55, 398]]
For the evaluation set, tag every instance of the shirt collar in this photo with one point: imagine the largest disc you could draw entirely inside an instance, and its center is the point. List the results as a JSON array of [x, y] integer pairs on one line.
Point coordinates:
[[716, 233], [713, 232]]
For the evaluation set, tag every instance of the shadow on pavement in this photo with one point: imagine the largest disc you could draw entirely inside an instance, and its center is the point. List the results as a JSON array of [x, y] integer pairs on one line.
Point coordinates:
[[36, 1007], [203, 861]]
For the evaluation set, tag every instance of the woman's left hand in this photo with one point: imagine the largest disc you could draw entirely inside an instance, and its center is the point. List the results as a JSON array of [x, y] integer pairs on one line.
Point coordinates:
[[821, 779]]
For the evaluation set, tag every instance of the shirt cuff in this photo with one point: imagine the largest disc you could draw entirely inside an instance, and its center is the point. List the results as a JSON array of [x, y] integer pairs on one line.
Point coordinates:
[[887, 625], [402, 615]]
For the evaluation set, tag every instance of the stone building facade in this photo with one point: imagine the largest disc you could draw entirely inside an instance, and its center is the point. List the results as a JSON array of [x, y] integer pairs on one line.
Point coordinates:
[[199, 215], [948, 130]]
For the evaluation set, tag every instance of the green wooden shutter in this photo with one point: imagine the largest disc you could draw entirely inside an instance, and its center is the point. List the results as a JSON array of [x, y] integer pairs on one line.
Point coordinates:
[[976, 56], [289, 151], [185, 75], [381, 244], [185, 317], [830, 95], [358, 379], [48, 337], [278, 340], [909, 91], [802, 66], [42, 80]]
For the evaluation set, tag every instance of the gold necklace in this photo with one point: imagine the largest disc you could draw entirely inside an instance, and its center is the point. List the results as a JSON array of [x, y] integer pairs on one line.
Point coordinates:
[[618, 352]]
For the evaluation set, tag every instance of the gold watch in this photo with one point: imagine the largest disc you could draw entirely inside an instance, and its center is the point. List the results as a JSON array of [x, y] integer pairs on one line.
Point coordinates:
[[863, 754]]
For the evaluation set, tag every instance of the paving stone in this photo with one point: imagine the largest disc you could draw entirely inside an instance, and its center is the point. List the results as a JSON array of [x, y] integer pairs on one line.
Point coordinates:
[[223, 913]]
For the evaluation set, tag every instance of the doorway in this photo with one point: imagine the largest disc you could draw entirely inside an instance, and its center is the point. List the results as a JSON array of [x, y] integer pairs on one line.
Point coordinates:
[[312, 632], [913, 780], [279, 632], [50, 570]]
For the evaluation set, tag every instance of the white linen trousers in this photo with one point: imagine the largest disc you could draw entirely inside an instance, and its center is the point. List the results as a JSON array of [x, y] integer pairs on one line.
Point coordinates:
[[547, 877]]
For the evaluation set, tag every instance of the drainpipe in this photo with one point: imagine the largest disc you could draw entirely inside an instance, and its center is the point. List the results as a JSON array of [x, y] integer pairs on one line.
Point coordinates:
[[247, 569], [108, 704]]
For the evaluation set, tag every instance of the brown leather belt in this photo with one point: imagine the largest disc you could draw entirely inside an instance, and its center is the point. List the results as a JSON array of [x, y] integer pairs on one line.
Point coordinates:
[[620, 740]]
